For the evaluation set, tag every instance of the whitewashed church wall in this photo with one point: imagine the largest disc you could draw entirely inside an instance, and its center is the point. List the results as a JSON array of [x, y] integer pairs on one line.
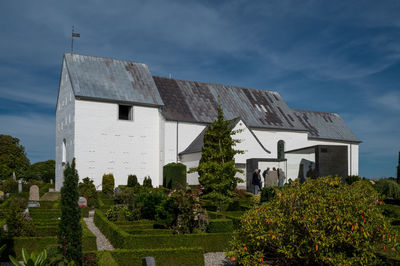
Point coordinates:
[[105, 144], [248, 144], [187, 132], [269, 138], [191, 160], [65, 124]]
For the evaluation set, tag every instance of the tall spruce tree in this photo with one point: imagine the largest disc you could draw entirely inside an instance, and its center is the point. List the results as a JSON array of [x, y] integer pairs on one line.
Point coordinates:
[[217, 164], [69, 229]]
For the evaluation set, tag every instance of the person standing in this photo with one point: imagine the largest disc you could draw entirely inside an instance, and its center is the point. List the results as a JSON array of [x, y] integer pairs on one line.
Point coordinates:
[[265, 176], [256, 181]]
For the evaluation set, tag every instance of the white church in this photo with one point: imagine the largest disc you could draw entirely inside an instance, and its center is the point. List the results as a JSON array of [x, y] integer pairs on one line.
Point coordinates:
[[114, 116]]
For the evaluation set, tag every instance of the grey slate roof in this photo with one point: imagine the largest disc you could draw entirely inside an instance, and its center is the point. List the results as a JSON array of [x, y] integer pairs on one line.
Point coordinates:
[[114, 80], [321, 125], [193, 101], [111, 80]]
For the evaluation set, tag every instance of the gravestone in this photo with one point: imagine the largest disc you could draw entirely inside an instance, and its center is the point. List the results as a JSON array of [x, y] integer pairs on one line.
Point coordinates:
[[20, 185], [14, 176], [117, 191], [34, 193], [51, 181], [34, 196], [148, 261], [82, 202], [1, 195]]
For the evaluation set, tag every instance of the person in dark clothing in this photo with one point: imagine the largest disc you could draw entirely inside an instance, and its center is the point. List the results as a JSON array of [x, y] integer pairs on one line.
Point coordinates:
[[256, 181]]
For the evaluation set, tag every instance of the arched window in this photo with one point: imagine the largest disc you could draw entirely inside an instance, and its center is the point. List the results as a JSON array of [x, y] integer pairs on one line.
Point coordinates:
[[281, 150], [64, 152]]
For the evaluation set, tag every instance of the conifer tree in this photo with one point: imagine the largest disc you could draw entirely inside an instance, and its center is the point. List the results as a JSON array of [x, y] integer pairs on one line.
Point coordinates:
[[398, 170], [69, 228], [217, 164]]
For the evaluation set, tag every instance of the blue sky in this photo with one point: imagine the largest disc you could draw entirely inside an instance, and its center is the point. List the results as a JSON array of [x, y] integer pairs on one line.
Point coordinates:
[[333, 56]]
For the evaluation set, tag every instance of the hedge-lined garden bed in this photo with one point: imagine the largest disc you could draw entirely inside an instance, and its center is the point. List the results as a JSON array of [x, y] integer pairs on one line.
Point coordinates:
[[167, 256], [121, 239], [37, 244]]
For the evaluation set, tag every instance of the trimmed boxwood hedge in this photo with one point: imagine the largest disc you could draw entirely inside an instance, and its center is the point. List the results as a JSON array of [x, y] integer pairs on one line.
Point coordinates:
[[121, 239], [167, 256], [174, 175], [37, 244], [226, 215], [148, 231], [220, 226]]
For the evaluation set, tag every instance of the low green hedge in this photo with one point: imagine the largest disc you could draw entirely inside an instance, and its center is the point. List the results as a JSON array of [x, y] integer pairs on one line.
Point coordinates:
[[104, 258], [48, 204], [149, 231], [46, 230], [220, 226], [121, 239], [38, 213], [234, 216], [167, 256], [37, 244]]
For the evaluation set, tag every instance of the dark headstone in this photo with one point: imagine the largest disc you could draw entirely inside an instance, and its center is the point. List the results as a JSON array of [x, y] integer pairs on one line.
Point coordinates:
[[148, 261]]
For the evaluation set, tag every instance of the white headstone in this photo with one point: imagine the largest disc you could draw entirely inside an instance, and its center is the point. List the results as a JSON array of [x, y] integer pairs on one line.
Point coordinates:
[[82, 202], [14, 176], [51, 181], [34, 193]]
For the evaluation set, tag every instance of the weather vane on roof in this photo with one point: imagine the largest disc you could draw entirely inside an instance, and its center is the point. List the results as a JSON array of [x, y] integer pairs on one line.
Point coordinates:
[[74, 34]]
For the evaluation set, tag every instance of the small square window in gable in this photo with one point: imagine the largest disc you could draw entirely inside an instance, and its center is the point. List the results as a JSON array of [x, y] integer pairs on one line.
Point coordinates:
[[125, 112]]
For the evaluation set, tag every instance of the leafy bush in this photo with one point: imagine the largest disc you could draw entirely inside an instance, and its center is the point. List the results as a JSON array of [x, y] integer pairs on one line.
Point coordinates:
[[351, 179], [182, 212], [121, 213], [389, 188], [147, 182], [108, 184], [18, 222], [147, 203], [87, 189], [9, 186], [319, 222], [174, 175], [267, 194], [132, 181]]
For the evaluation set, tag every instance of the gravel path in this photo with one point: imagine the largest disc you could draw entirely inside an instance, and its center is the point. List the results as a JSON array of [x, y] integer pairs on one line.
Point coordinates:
[[216, 259], [101, 240]]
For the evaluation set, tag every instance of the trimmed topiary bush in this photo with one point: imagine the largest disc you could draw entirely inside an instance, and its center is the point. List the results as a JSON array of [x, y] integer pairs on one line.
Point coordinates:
[[132, 181], [107, 184], [174, 175], [147, 182], [319, 222]]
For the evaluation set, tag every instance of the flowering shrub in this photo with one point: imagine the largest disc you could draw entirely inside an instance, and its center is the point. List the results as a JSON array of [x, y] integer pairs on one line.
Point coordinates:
[[182, 212], [319, 222]]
